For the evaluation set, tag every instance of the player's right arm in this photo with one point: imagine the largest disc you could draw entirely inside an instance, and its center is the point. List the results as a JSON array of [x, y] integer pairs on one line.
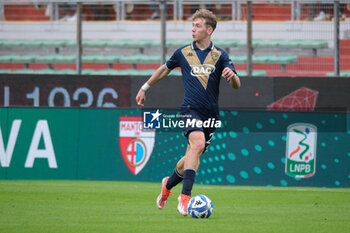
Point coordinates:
[[158, 75]]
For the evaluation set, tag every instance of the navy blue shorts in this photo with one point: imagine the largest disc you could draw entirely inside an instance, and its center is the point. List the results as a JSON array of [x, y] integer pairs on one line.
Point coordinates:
[[192, 115]]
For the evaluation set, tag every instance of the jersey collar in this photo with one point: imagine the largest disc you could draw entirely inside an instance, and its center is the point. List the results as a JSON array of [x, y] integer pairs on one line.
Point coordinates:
[[193, 46]]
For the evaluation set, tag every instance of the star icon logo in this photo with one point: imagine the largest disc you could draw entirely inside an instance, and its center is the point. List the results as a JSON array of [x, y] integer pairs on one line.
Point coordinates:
[[156, 115], [151, 120]]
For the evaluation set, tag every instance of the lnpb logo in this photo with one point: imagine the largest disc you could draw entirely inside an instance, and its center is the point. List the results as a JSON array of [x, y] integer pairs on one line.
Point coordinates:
[[136, 144], [301, 150], [151, 120]]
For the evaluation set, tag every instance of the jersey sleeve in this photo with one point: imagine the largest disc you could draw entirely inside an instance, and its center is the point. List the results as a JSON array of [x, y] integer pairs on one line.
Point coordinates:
[[227, 62], [174, 60]]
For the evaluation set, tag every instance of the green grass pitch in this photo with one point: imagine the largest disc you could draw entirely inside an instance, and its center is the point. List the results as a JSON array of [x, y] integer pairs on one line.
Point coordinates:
[[86, 206]]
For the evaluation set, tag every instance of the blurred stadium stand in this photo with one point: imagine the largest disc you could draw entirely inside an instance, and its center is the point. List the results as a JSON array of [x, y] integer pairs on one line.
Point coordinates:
[[123, 37]]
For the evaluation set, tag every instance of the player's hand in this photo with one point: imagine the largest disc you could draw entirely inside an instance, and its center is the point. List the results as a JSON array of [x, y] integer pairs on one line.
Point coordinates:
[[227, 73], [140, 97], [231, 78]]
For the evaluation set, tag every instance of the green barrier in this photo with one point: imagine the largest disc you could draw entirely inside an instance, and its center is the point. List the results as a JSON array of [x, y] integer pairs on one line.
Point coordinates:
[[109, 144]]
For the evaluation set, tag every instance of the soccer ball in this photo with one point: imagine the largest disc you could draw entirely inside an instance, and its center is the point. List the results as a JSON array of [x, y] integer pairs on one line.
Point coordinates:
[[200, 206]]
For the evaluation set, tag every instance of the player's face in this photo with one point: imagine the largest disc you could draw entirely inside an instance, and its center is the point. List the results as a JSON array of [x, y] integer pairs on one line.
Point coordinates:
[[199, 30]]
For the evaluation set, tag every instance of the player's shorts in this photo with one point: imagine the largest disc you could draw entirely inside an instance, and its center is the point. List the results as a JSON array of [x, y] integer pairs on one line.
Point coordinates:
[[192, 115]]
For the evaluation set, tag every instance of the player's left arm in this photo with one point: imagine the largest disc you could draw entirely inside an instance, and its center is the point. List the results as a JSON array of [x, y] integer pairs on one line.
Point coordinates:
[[229, 72], [231, 77]]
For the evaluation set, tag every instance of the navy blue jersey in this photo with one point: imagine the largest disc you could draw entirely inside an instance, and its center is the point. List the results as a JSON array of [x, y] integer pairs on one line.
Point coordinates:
[[201, 75]]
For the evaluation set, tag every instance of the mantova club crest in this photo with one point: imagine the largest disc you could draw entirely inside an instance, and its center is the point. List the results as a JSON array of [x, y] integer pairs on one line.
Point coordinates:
[[136, 144], [301, 150]]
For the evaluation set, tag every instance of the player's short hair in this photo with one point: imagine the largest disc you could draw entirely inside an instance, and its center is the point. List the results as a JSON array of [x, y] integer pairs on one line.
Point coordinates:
[[207, 15]]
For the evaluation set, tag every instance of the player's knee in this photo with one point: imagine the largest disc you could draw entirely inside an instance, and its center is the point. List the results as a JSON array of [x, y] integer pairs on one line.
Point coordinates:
[[198, 146]]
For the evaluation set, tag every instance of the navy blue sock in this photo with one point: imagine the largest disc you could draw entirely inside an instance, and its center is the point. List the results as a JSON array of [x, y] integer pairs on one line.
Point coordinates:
[[189, 176], [174, 179]]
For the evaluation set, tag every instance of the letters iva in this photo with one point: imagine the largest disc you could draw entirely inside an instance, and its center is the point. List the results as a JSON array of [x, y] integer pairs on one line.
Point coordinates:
[[41, 131]]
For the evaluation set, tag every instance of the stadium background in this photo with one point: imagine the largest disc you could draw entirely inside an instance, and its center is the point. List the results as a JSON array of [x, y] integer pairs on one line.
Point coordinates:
[[294, 57]]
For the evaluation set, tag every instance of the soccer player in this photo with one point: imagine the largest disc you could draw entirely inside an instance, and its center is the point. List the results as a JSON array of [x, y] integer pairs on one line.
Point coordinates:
[[202, 66]]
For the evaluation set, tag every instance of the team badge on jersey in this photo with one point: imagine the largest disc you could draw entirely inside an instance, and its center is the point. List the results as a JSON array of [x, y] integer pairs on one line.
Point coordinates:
[[214, 56], [135, 142]]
